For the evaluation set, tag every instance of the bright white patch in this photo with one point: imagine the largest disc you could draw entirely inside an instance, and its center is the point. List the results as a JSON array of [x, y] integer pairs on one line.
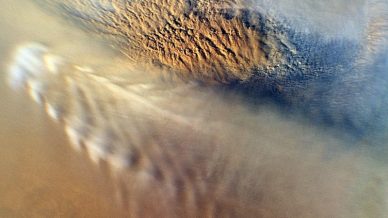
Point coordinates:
[[35, 96], [35, 89], [31, 62], [96, 149], [17, 77], [84, 69], [29, 58], [53, 63], [52, 112], [117, 162], [75, 140]]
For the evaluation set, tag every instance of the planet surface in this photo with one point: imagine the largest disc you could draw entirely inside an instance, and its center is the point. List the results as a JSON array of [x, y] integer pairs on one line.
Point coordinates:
[[196, 108]]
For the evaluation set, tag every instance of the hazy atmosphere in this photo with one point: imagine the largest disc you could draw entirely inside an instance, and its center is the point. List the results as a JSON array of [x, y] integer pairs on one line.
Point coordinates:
[[197, 108]]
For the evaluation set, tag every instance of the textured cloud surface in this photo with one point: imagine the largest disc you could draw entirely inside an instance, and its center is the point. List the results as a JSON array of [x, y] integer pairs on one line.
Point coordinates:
[[212, 41], [177, 148], [280, 49], [179, 151]]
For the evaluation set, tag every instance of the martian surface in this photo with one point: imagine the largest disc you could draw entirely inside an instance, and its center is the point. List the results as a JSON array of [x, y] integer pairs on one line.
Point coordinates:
[[193, 108]]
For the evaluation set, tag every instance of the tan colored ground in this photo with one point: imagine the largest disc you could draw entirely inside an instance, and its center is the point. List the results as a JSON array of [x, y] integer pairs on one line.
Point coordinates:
[[174, 169], [40, 174], [194, 39]]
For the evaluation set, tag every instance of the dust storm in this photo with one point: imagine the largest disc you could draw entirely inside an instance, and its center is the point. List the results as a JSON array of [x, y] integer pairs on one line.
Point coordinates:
[[204, 108]]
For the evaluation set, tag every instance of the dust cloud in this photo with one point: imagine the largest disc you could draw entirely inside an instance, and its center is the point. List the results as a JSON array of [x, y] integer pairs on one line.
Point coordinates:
[[166, 148], [40, 175]]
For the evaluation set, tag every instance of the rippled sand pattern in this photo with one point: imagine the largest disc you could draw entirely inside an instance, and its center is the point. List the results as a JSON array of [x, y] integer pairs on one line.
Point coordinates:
[[200, 40], [169, 148]]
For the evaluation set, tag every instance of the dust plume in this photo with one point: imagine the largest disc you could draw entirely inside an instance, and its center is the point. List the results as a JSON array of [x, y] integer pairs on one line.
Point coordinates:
[[179, 148], [185, 150]]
